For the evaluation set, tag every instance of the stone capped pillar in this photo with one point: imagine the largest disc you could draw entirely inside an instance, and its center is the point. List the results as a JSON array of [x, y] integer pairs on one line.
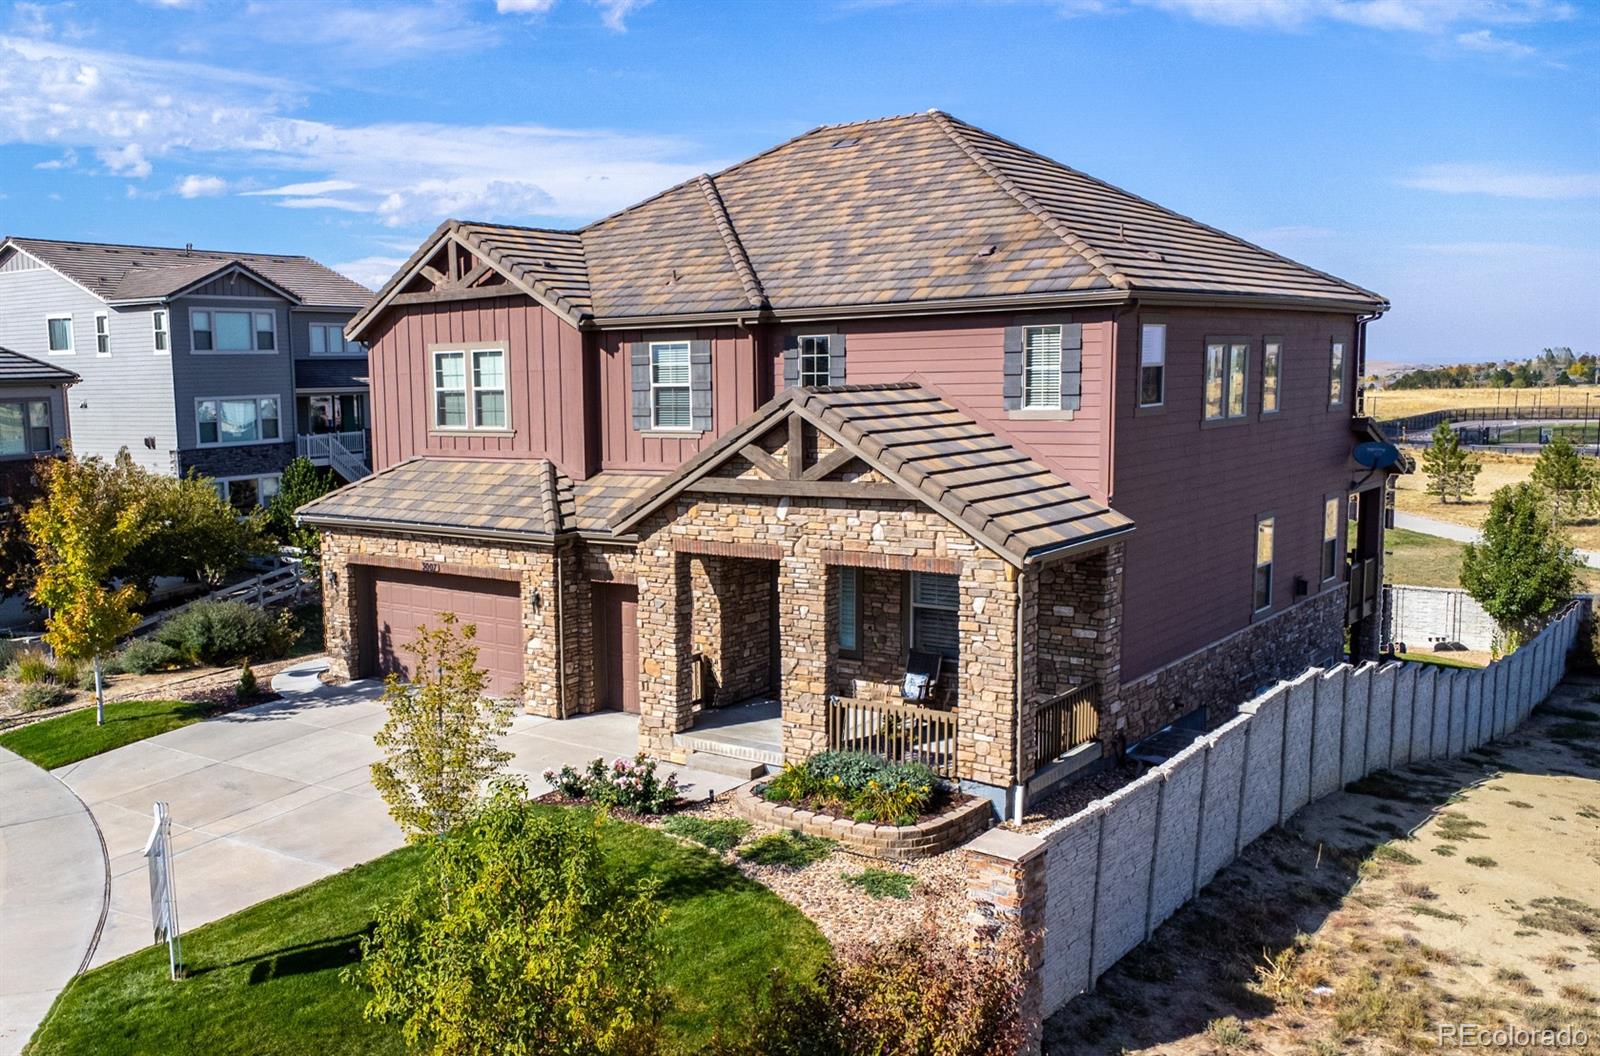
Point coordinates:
[[338, 609], [1005, 874], [803, 654], [986, 734]]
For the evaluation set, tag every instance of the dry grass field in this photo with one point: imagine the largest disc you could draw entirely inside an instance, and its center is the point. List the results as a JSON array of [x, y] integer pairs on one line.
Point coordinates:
[[1399, 403], [1411, 496], [1454, 892]]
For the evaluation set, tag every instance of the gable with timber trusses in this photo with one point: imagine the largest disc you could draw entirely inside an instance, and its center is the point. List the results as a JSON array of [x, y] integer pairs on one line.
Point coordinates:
[[454, 271]]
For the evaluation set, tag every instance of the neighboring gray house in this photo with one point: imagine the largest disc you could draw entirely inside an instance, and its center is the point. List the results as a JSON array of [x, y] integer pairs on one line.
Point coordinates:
[[33, 423], [224, 364]]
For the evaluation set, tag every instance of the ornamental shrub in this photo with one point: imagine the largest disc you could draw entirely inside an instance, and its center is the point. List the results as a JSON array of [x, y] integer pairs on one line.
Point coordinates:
[[142, 656], [213, 632], [41, 695], [864, 786], [630, 785]]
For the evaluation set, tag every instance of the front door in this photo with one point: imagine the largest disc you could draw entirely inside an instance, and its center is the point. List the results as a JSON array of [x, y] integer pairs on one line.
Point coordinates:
[[616, 647]]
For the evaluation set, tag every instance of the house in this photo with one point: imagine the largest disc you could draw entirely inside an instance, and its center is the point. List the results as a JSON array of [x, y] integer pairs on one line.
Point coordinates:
[[33, 425], [891, 395], [223, 364]]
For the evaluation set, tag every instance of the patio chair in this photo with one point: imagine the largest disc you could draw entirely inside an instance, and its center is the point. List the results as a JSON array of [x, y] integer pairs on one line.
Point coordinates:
[[922, 676]]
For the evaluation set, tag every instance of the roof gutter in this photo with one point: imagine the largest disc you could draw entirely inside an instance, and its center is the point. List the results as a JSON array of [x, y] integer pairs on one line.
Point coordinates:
[[317, 520], [1046, 555]]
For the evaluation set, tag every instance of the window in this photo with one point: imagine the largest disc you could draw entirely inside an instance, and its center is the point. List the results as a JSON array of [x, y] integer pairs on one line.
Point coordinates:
[[935, 609], [102, 334], [327, 339], [1263, 583], [1336, 375], [1041, 368], [1227, 366], [246, 420], [246, 493], [344, 413], [215, 331], [158, 321], [814, 365], [462, 399], [849, 635], [1330, 539], [1152, 364], [669, 385], [24, 427], [59, 330], [1271, 363]]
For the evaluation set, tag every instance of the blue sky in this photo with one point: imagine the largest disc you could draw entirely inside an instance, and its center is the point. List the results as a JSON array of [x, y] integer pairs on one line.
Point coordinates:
[[1443, 152]]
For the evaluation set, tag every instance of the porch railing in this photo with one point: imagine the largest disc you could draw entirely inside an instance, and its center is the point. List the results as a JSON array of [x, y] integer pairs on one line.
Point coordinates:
[[317, 446], [898, 732], [1064, 721]]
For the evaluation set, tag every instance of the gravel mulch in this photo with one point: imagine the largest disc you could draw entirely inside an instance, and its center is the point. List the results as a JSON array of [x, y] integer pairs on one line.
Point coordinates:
[[1074, 796], [205, 684]]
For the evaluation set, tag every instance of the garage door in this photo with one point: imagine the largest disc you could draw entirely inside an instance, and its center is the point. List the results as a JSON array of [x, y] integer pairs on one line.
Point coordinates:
[[400, 602]]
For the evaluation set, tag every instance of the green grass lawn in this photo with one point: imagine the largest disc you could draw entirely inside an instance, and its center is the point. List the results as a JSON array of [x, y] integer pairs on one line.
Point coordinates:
[[1420, 560], [265, 982], [74, 736], [1437, 659]]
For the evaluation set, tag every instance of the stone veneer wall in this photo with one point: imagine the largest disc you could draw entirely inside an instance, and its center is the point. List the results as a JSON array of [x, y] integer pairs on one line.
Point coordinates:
[[733, 624], [1077, 611], [804, 538], [1228, 672]]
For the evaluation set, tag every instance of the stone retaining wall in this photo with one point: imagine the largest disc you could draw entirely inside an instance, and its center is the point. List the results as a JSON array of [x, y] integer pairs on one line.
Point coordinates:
[[925, 839]]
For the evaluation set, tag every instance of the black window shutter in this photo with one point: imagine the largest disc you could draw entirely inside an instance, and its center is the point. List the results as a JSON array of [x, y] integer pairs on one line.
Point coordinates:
[[1071, 366], [836, 359], [700, 385], [1013, 368], [639, 365], [791, 360]]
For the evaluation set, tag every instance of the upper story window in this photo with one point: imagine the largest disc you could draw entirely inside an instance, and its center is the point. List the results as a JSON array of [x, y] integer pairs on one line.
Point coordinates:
[[1041, 368], [669, 385], [24, 427], [58, 329], [233, 331], [469, 388], [1336, 374], [1330, 538], [1271, 367], [814, 356], [1152, 364], [327, 339], [239, 420], [935, 613], [102, 334], [1263, 580], [158, 322], [1227, 370]]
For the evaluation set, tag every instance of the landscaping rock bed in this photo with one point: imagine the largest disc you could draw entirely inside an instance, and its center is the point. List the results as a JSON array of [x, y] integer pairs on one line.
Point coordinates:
[[962, 818]]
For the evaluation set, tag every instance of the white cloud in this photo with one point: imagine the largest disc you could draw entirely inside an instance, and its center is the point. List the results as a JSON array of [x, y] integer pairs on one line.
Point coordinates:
[[523, 7], [1484, 40], [1407, 15], [67, 160], [144, 111], [371, 34], [371, 272], [1500, 182], [193, 186], [614, 13]]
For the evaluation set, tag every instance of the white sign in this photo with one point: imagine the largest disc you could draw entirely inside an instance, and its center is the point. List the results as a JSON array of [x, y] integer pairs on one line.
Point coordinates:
[[163, 895]]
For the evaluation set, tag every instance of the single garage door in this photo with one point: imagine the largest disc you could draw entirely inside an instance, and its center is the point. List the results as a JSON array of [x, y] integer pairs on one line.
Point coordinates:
[[401, 601]]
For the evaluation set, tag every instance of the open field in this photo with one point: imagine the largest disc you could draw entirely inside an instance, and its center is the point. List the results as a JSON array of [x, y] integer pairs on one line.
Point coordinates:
[[1453, 892], [1399, 403], [1411, 496], [1420, 560]]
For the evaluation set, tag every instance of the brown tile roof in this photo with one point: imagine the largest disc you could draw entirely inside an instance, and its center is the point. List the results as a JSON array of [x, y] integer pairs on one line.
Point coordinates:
[[895, 211], [18, 369], [986, 486], [485, 498], [116, 272]]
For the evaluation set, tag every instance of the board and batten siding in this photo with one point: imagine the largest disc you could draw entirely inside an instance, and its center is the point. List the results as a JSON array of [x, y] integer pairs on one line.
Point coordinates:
[[737, 377], [546, 402], [123, 398], [1195, 492], [963, 359]]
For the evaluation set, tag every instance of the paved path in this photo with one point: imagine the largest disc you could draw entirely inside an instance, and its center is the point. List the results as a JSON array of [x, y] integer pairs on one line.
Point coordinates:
[[1462, 534], [52, 894]]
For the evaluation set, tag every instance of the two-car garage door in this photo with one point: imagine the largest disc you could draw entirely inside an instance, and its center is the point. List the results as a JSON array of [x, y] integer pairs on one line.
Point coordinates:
[[398, 602]]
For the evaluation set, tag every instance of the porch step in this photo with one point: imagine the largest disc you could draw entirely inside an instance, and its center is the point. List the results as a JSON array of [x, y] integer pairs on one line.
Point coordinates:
[[717, 763]]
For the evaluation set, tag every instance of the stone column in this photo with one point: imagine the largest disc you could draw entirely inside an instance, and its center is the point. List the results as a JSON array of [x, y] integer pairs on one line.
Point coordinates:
[[665, 603], [338, 609], [803, 663], [1006, 885], [986, 748]]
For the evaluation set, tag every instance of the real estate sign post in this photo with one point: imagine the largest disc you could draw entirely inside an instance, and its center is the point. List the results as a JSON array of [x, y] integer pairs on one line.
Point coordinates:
[[163, 896]]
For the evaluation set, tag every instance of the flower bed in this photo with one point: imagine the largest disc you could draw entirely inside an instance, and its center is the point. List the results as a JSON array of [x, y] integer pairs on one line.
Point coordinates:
[[960, 818], [629, 787]]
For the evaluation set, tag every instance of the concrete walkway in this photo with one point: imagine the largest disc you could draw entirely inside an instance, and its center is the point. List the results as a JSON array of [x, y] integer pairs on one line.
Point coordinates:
[[53, 890], [1460, 533]]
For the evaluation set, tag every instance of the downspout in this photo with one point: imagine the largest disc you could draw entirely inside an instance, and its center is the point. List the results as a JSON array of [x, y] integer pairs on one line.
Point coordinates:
[[561, 637], [1019, 794], [1361, 348]]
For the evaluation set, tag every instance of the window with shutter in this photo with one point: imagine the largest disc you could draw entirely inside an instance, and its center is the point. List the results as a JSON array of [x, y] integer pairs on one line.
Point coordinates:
[[669, 385], [1041, 368]]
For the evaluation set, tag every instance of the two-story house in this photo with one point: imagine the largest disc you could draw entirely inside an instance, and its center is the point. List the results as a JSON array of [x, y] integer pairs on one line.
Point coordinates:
[[892, 397], [222, 364], [33, 425]]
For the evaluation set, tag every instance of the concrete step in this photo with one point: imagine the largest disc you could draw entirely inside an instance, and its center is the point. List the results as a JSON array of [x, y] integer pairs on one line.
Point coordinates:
[[711, 762], [729, 743]]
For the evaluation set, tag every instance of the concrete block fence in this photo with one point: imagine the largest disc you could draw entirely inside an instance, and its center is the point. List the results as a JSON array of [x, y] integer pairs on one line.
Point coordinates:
[[1104, 879]]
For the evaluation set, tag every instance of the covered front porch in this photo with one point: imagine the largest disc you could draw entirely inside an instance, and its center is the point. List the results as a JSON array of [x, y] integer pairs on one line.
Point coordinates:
[[794, 564]]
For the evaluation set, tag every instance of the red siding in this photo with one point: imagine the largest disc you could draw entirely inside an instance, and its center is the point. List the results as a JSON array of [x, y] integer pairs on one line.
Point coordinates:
[[1195, 492], [544, 369]]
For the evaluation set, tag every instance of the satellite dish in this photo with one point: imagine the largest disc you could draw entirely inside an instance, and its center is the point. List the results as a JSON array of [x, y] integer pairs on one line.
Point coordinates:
[[1376, 454]]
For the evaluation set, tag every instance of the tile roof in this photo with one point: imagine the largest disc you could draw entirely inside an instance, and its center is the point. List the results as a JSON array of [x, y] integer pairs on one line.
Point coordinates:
[[477, 497], [894, 211], [115, 272], [16, 368], [986, 486]]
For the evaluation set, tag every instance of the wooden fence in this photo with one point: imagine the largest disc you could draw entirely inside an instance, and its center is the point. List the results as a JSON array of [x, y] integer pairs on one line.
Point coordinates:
[[1064, 721], [898, 732]]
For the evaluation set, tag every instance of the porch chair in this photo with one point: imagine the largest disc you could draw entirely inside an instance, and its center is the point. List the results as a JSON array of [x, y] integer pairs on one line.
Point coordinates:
[[922, 676]]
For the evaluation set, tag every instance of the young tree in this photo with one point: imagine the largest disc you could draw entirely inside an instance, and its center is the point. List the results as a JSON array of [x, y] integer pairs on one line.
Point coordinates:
[[1450, 468], [301, 483], [519, 939], [441, 738], [1524, 567], [90, 517], [194, 532], [1566, 477]]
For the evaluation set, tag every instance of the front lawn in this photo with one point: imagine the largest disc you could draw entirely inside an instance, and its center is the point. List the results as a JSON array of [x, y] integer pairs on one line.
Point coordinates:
[[74, 736], [265, 982]]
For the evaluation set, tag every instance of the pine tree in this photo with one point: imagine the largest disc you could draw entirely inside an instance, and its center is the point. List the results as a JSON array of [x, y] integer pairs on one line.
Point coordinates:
[[1450, 468], [1524, 567], [1566, 478]]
